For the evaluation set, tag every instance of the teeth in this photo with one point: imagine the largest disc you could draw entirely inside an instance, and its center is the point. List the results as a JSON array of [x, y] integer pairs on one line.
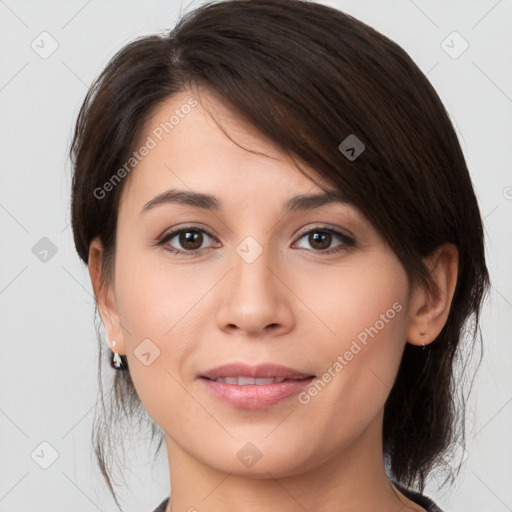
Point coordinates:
[[269, 380], [244, 381]]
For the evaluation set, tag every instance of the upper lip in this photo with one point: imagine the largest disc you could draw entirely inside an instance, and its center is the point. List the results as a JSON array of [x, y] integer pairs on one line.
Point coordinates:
[[264, 370]]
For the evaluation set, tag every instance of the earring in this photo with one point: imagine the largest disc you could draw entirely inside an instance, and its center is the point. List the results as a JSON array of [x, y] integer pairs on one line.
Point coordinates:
[[116, 361]]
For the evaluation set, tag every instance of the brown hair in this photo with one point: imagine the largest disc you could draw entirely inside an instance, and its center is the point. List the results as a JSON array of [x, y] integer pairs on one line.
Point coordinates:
[[307, 76]]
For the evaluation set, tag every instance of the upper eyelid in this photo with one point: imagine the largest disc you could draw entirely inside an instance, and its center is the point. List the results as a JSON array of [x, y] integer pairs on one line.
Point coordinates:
[[327, 227], [301, 231]]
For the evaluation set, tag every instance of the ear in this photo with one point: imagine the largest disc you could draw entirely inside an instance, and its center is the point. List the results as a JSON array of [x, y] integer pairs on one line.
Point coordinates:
[[429, 309], [105, 298]]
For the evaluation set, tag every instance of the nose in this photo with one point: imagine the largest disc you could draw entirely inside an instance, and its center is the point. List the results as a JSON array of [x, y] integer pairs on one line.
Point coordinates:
[[255, 301]]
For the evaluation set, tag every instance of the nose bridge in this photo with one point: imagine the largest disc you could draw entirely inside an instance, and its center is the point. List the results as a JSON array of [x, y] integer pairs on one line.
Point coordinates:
[[252, 274], [253, 298]]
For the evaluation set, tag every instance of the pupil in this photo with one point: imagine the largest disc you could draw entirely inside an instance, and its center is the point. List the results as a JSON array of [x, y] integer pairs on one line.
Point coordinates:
[[317, 236], [189, 238]]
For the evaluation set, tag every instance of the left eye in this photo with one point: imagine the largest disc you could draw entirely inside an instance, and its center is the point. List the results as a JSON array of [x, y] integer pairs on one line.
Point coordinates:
[[191, 240], [323, 237]]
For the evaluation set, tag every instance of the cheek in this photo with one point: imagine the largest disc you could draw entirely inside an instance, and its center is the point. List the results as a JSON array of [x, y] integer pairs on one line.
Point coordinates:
[[153, 296], [147, 308], [361, 337], [349, 299], [160, 308]]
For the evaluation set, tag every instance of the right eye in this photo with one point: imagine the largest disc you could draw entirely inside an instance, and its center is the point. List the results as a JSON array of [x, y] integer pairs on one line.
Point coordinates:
[[190, 238]]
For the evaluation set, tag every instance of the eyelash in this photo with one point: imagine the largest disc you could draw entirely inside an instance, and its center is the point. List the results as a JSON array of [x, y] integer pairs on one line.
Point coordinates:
[[346, 240]]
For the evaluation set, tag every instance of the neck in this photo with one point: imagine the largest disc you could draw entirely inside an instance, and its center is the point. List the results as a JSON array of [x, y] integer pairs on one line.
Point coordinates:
[[351, 480]]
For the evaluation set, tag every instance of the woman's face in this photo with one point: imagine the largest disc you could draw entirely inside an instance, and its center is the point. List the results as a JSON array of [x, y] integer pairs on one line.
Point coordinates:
[[255, 284]]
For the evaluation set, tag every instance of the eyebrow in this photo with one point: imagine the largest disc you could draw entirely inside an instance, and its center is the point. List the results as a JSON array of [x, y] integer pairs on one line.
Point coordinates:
[[212, 203]]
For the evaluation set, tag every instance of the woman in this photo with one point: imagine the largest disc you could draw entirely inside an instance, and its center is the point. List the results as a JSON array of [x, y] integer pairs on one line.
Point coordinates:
[[285, 249]]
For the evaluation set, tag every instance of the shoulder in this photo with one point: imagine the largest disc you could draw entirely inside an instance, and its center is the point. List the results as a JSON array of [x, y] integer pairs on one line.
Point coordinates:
[[417, 498]]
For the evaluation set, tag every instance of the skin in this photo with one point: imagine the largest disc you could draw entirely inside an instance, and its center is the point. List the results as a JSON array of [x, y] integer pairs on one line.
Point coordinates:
[[291, 306]]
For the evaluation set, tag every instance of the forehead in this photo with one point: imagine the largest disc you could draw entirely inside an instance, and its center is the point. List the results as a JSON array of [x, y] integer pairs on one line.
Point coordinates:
[[189, 150]]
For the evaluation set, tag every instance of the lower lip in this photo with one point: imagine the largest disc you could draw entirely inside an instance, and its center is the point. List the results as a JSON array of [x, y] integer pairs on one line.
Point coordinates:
[[253, 396]]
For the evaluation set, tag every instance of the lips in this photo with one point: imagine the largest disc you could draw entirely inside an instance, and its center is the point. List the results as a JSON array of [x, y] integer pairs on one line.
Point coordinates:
[[242, 372], [254, 387]]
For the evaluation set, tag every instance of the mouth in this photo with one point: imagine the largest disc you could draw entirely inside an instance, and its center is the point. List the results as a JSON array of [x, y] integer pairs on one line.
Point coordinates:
[[254, 387]]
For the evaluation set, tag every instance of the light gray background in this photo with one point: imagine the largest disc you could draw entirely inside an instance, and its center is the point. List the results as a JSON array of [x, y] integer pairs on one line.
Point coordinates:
[[48, 345]]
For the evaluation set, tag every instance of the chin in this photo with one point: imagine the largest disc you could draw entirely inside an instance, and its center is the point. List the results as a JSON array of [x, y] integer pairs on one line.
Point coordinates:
[[259, 459]]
